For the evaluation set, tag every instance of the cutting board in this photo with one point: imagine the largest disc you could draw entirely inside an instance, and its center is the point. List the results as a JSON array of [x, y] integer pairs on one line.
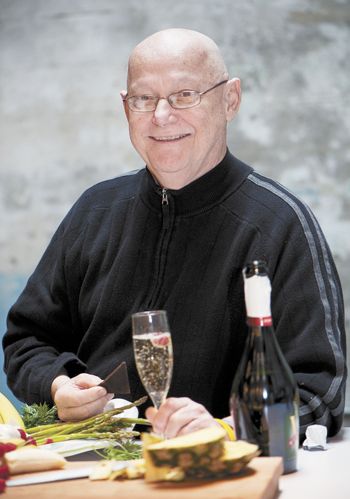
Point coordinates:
[[258, 481]]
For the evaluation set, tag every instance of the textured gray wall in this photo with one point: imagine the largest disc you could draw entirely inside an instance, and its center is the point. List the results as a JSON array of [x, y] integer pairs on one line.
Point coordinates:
[[63, 62]]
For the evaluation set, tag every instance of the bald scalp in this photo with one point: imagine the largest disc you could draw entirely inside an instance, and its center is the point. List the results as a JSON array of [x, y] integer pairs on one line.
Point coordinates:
[[190, 48]]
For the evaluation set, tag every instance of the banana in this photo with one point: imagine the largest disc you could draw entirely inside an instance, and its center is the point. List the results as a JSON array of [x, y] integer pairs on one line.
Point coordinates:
[[9, 414]]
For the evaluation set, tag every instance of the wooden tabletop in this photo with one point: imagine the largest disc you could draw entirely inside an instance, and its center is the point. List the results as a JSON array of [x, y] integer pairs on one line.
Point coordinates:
[[259, 481]]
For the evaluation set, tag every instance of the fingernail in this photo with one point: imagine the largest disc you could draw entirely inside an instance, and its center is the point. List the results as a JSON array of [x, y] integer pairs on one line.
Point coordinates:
[[101, 391]]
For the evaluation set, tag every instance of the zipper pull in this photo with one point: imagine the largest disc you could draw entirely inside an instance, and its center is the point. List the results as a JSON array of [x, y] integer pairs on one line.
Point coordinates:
[[165, 208], [164, 197]]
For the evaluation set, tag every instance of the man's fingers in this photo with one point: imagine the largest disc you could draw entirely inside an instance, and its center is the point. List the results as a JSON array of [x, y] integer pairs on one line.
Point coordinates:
[[85, 380], [71, 396], [167, 411], [80, 398], [178, 416], [85, 411], [185, 419], [81, 405], [197, 424], [151, 413]]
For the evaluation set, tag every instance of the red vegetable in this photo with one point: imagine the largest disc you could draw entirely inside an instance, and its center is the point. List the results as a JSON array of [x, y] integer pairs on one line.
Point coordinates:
[[6, 447], [4, 472], [2, 485]]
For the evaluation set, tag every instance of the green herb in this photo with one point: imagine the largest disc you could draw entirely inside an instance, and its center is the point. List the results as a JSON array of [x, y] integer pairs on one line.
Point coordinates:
[[122, 451], [38, 414]]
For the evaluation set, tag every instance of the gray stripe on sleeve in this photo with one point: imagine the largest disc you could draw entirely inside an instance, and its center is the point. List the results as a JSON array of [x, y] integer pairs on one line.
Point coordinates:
[[332, 336]]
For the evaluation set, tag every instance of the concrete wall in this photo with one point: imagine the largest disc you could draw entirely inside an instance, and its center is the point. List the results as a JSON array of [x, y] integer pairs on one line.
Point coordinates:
[[63, 62]]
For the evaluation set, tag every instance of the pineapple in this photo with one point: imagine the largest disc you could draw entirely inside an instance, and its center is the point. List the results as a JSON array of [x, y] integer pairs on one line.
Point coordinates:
[[188, 451], [236, 456], [201, 454]]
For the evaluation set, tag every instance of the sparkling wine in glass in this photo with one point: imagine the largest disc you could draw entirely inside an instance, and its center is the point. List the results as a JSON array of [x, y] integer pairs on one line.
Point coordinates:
[[153, 352]]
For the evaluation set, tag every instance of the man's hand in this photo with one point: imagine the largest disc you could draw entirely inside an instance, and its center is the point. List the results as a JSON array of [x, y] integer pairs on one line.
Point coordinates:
[[178, 416], [79, 398]]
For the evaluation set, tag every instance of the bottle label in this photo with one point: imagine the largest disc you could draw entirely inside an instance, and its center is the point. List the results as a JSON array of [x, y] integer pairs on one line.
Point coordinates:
[[283, 439], [257, 292], [275, 429]]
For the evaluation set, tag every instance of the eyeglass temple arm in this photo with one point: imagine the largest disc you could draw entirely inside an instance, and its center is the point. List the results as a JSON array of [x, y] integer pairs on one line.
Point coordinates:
[[212, 88]]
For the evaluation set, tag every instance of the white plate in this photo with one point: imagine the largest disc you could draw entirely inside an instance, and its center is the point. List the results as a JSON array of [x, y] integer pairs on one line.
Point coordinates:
[[133, 412], [73, 447]]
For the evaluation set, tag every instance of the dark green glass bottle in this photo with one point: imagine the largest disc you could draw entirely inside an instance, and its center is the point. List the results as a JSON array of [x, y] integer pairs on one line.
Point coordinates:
[[264, 399]]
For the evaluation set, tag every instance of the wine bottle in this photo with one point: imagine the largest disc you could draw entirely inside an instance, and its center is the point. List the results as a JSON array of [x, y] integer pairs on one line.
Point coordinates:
[[264, 400]]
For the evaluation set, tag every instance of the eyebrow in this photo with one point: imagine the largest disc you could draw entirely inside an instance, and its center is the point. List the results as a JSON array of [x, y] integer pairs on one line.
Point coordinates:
[[182, 85]]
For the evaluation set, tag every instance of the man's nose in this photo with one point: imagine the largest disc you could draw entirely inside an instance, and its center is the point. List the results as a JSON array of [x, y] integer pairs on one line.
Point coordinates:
[[163, 113]]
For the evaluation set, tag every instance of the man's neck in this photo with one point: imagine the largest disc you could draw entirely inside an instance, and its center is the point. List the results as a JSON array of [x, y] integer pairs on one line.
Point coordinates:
[[176, 180]]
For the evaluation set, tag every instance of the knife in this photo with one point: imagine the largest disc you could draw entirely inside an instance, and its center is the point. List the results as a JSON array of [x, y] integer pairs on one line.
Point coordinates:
[[117, 381], [55, 476]]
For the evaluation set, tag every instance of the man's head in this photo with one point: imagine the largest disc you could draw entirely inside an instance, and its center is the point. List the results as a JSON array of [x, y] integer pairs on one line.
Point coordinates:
[[180, 145]]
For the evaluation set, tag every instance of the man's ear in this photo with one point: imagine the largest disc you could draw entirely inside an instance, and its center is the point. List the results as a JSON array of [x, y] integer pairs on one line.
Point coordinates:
[[232, 98], [123, 95]]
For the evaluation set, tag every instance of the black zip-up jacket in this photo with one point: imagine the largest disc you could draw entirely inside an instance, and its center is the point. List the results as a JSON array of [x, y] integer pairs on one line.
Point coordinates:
[[127, 245]]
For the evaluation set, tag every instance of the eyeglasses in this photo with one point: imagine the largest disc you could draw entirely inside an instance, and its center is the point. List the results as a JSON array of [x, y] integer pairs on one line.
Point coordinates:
[[178, 100]]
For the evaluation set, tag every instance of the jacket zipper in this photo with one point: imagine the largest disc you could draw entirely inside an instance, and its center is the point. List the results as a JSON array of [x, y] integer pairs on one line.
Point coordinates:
[[162, 248], [164, 196], [165, 209]]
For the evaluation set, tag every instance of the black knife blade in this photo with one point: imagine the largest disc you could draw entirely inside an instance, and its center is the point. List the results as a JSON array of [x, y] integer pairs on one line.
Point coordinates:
[[117, 381]]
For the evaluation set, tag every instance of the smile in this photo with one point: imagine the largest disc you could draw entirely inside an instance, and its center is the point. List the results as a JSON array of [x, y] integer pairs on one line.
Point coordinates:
[[170, 138]]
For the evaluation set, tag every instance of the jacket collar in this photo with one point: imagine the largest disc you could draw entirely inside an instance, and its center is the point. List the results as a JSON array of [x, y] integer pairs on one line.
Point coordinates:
[[204, 192]]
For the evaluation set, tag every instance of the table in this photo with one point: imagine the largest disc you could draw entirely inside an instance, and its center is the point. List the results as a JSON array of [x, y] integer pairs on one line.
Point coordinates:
[[321, 474], [258, 481]]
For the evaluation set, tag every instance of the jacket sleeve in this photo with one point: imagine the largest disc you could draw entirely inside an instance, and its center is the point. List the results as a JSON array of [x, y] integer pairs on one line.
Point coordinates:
[[308, 310], [42, 339]]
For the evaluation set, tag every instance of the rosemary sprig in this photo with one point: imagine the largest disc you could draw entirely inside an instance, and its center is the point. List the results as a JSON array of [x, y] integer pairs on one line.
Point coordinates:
[[36, 414]]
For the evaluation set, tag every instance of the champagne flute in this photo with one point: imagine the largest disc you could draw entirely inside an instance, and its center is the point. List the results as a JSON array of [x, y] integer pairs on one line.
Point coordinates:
[[153, 352]]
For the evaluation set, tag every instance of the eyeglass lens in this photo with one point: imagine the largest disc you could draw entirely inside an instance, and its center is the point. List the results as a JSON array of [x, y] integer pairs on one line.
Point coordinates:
[[179, 100]]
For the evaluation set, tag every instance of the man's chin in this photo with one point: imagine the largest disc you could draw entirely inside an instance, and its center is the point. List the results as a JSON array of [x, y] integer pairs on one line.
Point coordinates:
[[167, 165], [172, 175]]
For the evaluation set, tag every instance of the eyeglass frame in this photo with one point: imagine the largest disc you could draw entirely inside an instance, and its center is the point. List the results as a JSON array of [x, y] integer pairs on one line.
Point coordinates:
[[126, 98]]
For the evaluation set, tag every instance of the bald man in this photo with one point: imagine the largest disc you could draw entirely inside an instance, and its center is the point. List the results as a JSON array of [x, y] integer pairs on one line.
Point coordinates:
[[175, 235], [179, 147]]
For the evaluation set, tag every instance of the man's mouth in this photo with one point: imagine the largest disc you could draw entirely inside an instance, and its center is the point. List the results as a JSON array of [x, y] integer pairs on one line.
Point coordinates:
[[170, 138]]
